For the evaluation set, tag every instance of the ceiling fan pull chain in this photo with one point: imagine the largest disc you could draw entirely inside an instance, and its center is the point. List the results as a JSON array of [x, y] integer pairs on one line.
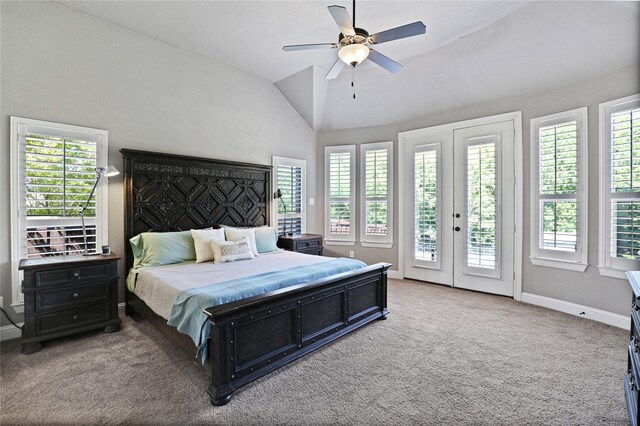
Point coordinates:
[[353, 81]]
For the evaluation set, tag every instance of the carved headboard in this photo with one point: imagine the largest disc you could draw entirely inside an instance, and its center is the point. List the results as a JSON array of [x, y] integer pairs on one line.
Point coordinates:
[[165, 192]]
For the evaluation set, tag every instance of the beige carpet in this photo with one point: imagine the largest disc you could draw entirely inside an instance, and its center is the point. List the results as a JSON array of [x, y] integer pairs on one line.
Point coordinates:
[[444, 357]]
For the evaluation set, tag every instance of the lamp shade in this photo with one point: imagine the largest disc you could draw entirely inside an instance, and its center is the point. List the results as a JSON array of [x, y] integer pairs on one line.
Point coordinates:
[[110, 171], [353, 54]]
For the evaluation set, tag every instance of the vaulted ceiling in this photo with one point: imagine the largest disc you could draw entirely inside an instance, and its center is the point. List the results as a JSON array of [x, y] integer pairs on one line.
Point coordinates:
[[472, 52]]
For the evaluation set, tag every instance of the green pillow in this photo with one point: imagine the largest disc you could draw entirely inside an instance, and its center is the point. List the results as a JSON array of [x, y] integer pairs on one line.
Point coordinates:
[[164, 248], [266, 239]]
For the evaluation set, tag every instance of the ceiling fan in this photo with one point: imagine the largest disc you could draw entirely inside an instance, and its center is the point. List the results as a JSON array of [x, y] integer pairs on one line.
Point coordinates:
[[354, 43]]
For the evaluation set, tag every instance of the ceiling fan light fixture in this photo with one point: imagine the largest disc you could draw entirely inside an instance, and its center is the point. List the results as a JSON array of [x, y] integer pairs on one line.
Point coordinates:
[[353, 54]]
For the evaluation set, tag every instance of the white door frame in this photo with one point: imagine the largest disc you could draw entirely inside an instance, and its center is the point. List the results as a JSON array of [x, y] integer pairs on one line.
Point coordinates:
[[516, 117]]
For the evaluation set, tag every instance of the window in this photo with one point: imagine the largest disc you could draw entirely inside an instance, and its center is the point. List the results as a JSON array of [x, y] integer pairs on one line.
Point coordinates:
[[620, 186], [340, 195], [53, 169], [376, 165], [559, 194], [289, 210]]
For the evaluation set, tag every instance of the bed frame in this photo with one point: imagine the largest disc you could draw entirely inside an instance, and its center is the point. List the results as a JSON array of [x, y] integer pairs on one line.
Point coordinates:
[[250, 337]]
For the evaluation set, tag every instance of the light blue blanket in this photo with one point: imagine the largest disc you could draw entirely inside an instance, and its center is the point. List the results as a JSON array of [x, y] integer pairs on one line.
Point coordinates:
[[187, 312]]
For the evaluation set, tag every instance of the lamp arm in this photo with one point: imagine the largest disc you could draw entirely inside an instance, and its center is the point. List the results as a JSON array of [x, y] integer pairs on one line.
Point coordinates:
[[84, 209], [86, 205]]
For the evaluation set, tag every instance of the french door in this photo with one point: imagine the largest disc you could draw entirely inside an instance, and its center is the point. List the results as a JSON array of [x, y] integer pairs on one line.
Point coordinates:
[[459, 209]]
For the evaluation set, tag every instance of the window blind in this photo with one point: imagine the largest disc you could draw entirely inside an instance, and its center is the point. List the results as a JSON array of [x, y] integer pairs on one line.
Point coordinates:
[[59, 176], [625, 184], [558, 186], [376, 191], [481, 205], [340, 192], [426, 205]]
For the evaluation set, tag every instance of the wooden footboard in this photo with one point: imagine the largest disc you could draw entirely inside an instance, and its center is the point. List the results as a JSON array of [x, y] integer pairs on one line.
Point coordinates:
[[253, 337]]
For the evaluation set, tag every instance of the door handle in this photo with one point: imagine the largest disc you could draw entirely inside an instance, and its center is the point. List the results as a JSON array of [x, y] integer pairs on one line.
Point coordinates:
[[457, 229]]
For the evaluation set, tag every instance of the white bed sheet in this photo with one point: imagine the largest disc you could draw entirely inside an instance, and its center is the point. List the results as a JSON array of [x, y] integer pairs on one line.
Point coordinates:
[[159, 286]]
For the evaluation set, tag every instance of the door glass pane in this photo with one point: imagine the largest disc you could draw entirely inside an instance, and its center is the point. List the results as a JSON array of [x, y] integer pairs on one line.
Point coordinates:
[[481, 205], [426, 205]]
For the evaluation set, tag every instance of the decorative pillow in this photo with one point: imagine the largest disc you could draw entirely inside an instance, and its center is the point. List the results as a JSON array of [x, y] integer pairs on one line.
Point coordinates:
[[201, 239], [136, 248], [228, 251], [164, 248], [266, 239], [237, 234]]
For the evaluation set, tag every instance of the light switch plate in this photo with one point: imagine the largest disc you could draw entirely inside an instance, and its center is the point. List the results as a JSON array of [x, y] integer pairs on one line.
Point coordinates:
[[312, 201]]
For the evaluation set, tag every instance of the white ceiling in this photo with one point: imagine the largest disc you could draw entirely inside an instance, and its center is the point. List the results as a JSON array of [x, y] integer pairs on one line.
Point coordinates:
[[473, 51]]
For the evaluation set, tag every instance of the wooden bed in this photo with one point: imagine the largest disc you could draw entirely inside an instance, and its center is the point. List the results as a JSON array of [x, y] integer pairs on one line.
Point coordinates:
[[250, 337]]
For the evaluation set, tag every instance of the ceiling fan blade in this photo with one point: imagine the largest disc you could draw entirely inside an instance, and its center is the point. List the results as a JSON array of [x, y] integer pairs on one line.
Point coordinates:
[[294, 47], [335, 70], [384, 61], [341, 16], [404, 31]]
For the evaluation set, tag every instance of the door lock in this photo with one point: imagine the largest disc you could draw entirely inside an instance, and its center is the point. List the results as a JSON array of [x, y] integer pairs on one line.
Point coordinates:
[[457, 229]]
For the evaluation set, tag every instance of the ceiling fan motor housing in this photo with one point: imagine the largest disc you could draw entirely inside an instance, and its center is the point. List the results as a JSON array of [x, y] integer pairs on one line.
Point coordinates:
[[361, 37]]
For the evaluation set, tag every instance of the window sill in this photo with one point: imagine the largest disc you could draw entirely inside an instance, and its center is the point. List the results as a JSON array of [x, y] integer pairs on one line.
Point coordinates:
[[376, 245], [612, 273], [560, 264], [339, 243]]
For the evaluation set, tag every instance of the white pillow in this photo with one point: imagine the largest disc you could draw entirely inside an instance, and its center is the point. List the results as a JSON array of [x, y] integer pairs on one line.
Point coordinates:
[[228, 251], [237, 234], [201, 239]]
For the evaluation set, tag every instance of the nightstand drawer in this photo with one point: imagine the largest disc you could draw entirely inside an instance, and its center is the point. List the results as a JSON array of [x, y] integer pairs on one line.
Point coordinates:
[[48, 300], [72, 318], [308, 244], [314, 251], [70, 275]]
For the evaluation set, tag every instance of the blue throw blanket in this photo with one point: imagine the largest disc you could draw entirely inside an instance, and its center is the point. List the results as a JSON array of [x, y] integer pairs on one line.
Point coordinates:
[[187, 312]]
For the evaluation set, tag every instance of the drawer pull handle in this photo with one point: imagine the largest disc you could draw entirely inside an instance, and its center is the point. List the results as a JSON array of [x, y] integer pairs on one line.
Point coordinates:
[[75, 317], [308, 243], [75, 295], [76, 274]]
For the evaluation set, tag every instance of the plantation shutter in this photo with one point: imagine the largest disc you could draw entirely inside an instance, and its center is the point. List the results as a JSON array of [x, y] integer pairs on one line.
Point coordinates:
[[625, 184], [558, 185], [376, 200], [59, 176], [340, 192], [290, 208]]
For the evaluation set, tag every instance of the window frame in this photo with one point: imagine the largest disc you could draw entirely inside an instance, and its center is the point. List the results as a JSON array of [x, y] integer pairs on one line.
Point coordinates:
[[19, 128], [291, 162], [385, 241], [340, 239], [610, 266], [576, 261]]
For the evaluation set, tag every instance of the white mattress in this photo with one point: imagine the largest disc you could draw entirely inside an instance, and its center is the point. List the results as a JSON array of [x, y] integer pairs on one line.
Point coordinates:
[[159, 287]]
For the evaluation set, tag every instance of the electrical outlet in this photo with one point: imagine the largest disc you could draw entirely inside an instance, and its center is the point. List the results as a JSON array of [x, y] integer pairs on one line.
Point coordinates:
[[351, 253], [312, 201]]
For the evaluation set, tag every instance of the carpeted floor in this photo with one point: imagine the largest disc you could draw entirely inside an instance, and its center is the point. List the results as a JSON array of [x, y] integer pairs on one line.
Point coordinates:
[[444, 357]]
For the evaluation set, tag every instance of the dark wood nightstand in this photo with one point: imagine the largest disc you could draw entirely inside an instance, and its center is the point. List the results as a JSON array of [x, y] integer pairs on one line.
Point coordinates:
[[303, 243], [67, 295]]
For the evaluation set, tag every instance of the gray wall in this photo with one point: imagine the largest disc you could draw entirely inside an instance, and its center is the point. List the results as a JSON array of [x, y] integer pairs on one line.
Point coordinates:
[[588, 288], [63, 66]]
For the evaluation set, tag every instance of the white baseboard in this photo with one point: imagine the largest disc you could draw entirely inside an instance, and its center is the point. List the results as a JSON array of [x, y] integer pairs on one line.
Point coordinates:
[[610, 318], [9, 332], [395, 275]]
